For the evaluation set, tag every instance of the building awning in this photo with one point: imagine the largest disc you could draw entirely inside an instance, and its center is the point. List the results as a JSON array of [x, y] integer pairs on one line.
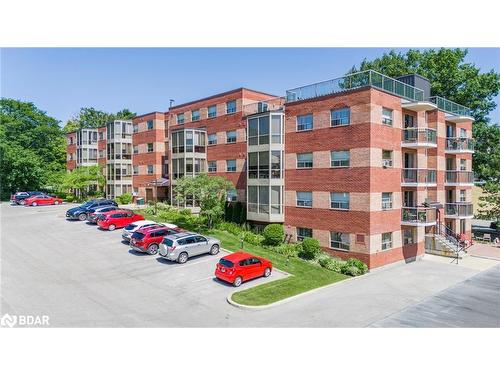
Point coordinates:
[[159, 182]]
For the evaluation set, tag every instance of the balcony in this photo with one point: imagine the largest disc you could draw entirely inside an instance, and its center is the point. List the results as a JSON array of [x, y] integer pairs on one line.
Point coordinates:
[[419, 106], [276, 104], [414, 177], [459, 178], [459, 146], [368, 78], [418, 216], [458, 113], [419, 138], [268, 213], [459, 210]]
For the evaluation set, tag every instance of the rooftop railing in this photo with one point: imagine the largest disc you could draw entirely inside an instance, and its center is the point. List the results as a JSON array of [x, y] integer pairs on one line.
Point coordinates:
[[453, 108], [274, 104], [367, 78]]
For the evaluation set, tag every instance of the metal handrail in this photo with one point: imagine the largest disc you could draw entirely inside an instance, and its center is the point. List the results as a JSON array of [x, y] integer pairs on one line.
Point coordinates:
[[450, 107]]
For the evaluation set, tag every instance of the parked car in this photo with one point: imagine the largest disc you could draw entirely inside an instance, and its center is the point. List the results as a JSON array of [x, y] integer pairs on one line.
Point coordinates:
[[130, 229], [20, 196], [181, 246], [117, 219], [238, 267], [148, 240], [41, 200], [95, 212], [81, 212]]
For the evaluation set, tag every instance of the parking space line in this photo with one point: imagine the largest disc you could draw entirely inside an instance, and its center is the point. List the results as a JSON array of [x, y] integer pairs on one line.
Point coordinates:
[[194, 263], [205, 278]]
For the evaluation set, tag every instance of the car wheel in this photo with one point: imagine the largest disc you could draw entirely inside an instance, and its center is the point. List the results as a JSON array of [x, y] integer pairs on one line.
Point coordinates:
[[214, 249], [34, 204], [22, 202], [112, 227], [237, 282], [153, 249], [183, 257], [56, 202], [267, 272], [82, 217]]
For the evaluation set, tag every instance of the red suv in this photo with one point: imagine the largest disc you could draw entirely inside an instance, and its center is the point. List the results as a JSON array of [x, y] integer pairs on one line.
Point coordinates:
[[148, 240], [238, 267], [117, 219]]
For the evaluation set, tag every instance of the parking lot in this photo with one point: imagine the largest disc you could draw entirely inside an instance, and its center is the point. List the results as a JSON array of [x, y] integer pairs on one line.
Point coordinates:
[[81, 276]]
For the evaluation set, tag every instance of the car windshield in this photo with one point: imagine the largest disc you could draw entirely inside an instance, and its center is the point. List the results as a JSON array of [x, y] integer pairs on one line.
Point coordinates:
[[138, 235], [168, 242], [130, 227], [226, 263]]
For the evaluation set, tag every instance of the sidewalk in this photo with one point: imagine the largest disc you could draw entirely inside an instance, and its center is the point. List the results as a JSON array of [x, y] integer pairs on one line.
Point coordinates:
[[486, 250]]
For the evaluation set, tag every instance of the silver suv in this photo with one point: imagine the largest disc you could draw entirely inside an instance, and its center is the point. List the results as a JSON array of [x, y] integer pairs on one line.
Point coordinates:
[[181, 246]]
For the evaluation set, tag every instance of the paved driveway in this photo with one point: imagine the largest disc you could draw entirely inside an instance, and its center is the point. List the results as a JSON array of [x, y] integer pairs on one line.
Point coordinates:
[[83, 277]]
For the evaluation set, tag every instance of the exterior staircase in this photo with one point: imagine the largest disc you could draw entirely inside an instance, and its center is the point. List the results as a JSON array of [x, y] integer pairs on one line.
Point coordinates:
[[444, 242]]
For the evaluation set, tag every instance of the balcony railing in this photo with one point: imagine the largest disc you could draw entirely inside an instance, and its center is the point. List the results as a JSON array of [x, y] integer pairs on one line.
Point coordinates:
[[460, 144], [453, 108], [368, 78], [459, 177], [459, 209], [418, 176], [419, 135], [418, 215], [275, 104]]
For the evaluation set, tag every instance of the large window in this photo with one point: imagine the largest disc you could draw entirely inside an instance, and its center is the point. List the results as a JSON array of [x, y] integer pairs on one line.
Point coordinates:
[[259, 166], [231, 136], [258, 199], [305, 160], [305, 122], [212, 139], [339, 159], [275, 164], [386, 201], [339, 201], [340, 117], [180, 118], [387, 116], [150, 124], [195, 115], [276, 129], [340, 241], [188, 141], [303, 233], [386, 241], [231, 106], [304, 199], [212, 111], [231, 165], [212, 166], [258, 131]]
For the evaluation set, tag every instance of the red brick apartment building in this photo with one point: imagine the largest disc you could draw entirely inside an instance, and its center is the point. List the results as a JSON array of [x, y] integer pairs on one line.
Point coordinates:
[[371, 166]]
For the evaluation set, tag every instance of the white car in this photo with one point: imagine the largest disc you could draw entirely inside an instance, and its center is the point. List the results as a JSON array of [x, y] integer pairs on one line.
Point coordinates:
[[129, 230]]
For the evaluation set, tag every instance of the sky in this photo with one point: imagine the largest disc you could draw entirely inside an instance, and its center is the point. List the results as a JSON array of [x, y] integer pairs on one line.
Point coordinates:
[[62, 80]]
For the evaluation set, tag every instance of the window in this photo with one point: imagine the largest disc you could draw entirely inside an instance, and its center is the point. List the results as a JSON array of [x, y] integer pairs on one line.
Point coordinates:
[[303, 233], [231, 106], [386, 158], [339, 201], [387, 116], [136, 149], [136, 169], [409, 121], [212, 166], [232, 195], [231, 136], [386, 201], [462, 196], [195, 115], [212, 111], [386, 241], [304, 122], [340, 241], [463, 133], [231, 165], [463, 164], [150, 124], [305, 160], [180, 118], [339, 159], [135, 128], [101, 153], [408, 237], [304, 199], [150, 147], [340, 117], [212, 139], [150, 169], [258, 131], [101, 136]]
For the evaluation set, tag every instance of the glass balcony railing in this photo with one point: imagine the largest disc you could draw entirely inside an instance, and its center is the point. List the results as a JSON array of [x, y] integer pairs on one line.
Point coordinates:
[[459, 177], [368, 78], [460, 144], [450, 107], [275, 104], [419, 135], [418, 176], [459, 209], [418, 215]]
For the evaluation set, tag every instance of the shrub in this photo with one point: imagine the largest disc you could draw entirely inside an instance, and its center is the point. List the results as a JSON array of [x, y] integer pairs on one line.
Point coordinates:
[[228, 211], [70, 198], [310, 249], [124, 198], [354, 267], [331, 264], [238, 207], [290, 250], [230, 227], [273, 234], [243, 215], [252, 238]]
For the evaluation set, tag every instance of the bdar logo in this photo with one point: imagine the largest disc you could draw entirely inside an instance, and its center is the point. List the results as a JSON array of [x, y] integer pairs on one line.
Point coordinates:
[[8, 320]]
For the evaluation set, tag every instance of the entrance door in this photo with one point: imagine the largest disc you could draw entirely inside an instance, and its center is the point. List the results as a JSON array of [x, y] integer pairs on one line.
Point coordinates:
[[409, 160], [149, 194], [408, 199]]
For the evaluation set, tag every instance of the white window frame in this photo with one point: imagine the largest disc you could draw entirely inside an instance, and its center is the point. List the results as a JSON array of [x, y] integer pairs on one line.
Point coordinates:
[[341, 160], [387, 205], [306, 203], [301, 237], [387, 120], [340, 205], [342, 122], [342, 246], [386, 243], [301, 116], [303, 166]]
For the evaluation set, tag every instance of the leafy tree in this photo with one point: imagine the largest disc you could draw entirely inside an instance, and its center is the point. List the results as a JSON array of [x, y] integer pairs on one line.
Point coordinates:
[[209, 191], [489, 203], [32, 147], [125, 114], [89, 117], [84, 180]]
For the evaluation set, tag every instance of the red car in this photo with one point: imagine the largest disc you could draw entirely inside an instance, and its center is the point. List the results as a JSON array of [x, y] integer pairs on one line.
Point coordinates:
[[42, 199], [238, 267], [117, 219], [148, 240]]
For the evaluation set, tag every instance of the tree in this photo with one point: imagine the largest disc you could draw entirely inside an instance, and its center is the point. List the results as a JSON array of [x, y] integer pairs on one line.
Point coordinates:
[[84, 180], [89, 117], [460, 82], [209, 191], [32, 147], [489, 203]]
